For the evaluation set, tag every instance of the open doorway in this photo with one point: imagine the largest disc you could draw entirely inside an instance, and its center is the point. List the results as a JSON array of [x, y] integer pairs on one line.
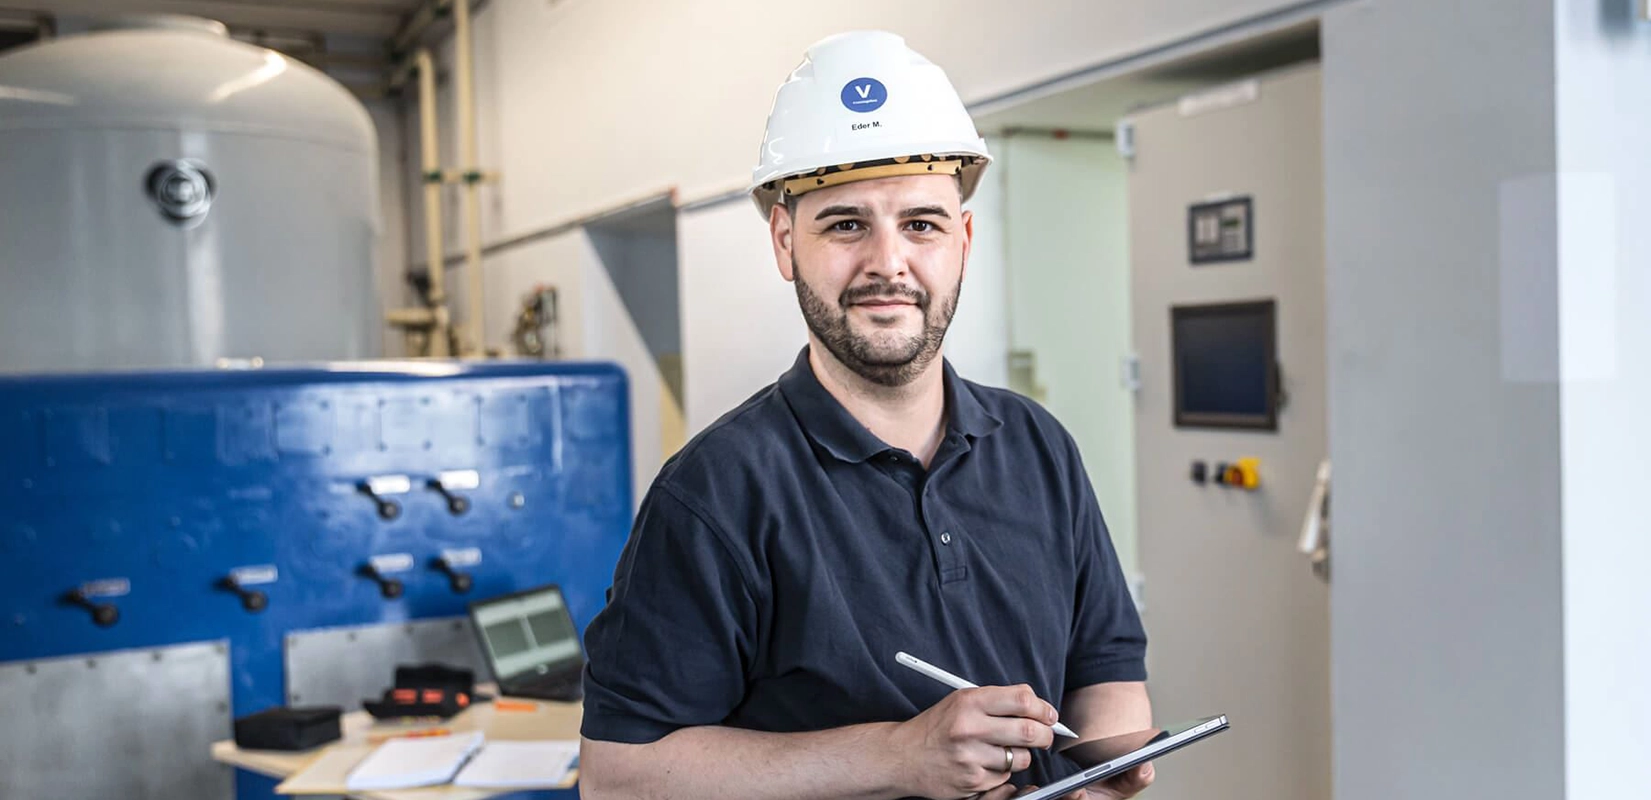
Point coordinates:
[[638, 250]]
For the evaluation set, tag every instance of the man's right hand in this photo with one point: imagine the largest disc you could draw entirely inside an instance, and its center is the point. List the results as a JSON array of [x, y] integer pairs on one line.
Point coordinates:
[[957, 747]]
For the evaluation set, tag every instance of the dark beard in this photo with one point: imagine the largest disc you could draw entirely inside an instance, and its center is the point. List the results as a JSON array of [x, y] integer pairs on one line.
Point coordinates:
[[898, 368]]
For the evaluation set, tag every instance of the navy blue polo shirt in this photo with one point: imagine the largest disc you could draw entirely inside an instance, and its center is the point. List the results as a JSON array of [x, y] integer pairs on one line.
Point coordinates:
[[784, 556]]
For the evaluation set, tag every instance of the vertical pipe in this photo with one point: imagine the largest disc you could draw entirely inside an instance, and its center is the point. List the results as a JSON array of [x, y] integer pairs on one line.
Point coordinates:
[[430, 174], [472, 172]]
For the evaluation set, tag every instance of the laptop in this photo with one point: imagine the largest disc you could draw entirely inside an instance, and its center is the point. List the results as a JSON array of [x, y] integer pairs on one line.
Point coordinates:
[[531, 644]]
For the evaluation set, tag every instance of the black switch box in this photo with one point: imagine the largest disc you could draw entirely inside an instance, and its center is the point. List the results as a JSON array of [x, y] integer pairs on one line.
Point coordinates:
[[288, 728]]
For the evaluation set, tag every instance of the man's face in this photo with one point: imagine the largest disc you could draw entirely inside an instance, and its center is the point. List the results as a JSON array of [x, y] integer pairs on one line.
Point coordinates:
[[877, 265]]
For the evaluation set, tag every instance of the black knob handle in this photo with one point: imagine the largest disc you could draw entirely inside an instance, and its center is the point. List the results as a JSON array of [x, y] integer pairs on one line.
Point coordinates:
[[1200, 472], [103, 614], [460, 581], [456, 503], [387, 509], [389, 587], [252, 600]]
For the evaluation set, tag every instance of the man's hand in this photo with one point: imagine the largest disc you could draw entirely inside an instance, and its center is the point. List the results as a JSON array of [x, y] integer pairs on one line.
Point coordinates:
[[1117, 787], [1122, 787], [971, 741]]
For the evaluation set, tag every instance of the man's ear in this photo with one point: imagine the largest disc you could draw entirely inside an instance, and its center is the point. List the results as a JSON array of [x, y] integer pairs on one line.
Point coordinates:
[[780, 231], [968, 241]]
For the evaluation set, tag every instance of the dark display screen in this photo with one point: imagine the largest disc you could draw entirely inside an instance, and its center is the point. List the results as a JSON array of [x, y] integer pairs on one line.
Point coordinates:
[[1225, 365]]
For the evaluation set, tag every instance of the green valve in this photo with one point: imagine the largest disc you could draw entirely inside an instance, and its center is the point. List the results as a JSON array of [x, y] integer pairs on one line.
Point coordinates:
[[433, 176]]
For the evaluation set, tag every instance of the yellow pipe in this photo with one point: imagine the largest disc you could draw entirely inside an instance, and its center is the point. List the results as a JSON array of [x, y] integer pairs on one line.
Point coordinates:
[[431, 164], [467, 153]]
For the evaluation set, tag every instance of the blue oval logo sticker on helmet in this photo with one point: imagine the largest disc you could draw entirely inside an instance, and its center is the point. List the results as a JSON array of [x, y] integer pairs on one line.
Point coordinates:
[[864, 94]]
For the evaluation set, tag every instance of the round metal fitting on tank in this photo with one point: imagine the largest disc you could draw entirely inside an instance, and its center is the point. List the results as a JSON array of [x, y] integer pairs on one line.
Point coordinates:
[[172, 197]]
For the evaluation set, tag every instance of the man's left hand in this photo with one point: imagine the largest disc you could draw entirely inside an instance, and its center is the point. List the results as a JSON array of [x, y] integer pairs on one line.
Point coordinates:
[[1122, 787], [1118, 787]]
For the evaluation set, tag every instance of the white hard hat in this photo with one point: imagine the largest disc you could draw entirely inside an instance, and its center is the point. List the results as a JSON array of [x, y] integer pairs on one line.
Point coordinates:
[[863, 105]]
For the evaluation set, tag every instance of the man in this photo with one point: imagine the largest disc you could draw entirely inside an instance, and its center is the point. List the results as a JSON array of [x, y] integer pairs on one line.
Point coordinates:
[[869, 502]]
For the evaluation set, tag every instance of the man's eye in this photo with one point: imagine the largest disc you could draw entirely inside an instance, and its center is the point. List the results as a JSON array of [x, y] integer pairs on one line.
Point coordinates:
[[846, 226], [921, 226]]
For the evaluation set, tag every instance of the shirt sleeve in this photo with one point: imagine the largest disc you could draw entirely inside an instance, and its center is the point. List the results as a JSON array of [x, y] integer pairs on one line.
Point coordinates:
[[1108, 642], [672, 647]]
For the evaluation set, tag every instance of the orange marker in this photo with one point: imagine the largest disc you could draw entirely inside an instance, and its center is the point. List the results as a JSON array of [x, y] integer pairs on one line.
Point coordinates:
[[384, 737], [513, 705]]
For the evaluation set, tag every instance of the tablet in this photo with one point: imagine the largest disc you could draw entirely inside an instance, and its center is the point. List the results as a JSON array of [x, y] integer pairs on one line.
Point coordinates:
[[1117, 754]]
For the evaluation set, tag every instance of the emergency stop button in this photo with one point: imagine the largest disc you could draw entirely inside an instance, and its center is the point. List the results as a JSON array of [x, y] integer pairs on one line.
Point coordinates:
[[1245, 473]]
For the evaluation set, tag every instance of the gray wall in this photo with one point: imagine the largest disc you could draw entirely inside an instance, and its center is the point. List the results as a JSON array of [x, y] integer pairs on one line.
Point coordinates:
[[1446, 498], [1483, 366]]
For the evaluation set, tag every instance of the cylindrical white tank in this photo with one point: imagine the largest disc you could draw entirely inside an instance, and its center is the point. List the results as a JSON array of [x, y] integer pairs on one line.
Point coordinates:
[[171, 197]]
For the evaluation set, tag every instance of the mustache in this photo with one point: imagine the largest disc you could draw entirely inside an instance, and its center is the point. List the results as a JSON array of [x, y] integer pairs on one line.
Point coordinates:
[[883, 291]]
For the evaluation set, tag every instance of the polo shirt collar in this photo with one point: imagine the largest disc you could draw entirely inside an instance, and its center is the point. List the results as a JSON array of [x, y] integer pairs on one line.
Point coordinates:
[[830, 426]]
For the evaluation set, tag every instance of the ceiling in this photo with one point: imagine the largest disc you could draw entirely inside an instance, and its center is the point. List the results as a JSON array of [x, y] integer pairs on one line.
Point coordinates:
[[1097, 107], [371, 18]]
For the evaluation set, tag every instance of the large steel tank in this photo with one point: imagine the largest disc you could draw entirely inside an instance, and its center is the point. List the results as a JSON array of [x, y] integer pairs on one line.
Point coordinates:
[[172, 197]]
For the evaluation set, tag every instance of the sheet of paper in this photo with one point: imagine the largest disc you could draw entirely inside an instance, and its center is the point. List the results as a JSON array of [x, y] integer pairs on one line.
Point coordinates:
[[520, 765], [409, 762], [327, 773]]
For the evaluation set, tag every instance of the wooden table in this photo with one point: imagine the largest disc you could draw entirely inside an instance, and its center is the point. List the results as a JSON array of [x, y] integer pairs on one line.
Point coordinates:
[[546, 720]]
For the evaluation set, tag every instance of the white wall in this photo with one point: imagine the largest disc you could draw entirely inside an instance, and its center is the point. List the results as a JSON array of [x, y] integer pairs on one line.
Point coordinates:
[[1603, 66], [978, 342], [740, 324], [612, 99], [1068, 276], [594, 322]]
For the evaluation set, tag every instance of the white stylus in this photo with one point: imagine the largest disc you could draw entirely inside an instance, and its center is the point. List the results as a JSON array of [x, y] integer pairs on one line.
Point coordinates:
[[955, 682]]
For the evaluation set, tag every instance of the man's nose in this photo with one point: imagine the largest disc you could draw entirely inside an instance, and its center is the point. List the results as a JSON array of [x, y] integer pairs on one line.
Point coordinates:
[[886, 254]]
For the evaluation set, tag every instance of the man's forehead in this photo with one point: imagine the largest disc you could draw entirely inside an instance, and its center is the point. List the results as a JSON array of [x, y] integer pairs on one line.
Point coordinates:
[[888, 194]]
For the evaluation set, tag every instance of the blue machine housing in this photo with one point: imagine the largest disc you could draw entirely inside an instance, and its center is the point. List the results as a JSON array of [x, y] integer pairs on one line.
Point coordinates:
[[168, 481]]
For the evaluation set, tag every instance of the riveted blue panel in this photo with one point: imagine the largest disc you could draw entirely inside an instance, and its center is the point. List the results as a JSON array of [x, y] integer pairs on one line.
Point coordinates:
[[304, 428], [76, 437], [161, 483]]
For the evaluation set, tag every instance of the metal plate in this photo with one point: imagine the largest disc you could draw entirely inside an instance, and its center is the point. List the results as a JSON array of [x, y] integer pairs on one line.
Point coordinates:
[[343, 666], [128, 724]]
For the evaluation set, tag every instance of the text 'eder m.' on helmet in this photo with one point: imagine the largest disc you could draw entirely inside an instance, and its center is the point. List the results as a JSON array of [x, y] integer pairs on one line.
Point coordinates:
[[863, 105]]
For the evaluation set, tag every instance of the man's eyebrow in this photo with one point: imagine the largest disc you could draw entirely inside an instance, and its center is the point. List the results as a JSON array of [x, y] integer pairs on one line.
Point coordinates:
[[842, 211], [925, 211]]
